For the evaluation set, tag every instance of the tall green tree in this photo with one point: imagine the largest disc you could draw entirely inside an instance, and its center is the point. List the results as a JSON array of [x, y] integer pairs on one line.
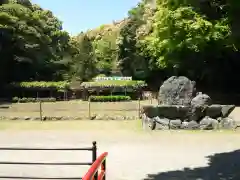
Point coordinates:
[[130, 61], [31, 42], [193, 38], [84, 62], [105, 56]]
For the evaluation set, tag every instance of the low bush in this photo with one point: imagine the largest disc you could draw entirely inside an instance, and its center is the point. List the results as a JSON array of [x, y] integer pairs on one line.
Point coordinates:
[[28, 100], [109, 98], [60, 86], [114, 83], [52, 99]]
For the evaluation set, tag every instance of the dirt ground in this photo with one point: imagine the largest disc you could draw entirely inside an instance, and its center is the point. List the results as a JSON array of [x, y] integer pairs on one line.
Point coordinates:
[[133, 155], [73, 108], [81, 108]]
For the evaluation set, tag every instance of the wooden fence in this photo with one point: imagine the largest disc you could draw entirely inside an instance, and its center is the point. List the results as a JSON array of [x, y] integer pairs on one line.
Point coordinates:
[[90, 175]]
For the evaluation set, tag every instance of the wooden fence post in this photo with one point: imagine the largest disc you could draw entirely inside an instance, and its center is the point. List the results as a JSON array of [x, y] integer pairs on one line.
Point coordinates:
[[89, 107], [40, 109], [139, 107]]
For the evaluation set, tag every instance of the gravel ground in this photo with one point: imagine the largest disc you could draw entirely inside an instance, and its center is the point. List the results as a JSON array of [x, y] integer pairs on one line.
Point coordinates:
[[132, 155]]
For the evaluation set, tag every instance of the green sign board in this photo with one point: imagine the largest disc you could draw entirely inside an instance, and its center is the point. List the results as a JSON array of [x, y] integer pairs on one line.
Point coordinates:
[[120, 78]]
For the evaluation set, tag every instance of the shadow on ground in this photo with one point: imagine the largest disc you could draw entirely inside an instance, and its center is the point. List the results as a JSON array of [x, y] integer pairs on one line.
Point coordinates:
[[223, 166]]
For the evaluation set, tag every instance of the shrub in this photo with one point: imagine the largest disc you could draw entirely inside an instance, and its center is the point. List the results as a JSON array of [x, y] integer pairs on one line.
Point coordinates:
[[52, 99], [114, 83], [15, 99], [24, 100], [59, 86], [28, 100], [109, 98]]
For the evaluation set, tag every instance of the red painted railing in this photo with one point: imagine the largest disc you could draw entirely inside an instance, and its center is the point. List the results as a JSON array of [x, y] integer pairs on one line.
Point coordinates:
[[93, 173]]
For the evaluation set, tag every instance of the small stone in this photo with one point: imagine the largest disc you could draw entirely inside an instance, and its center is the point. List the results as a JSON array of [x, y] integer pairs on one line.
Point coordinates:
[[120, 118], [208, 123], [184, 125], [190, 125], [27, 118], [148, 123], [193, 125], [13, 118], [228, 123], [162, 123], [175, 124], [36, 119], [219, 119], [59, 118], [99, 117], [76, 118]]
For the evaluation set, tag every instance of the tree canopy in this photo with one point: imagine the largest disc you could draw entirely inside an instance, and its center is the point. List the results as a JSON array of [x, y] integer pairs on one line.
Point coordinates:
[[32, 41], [158, 39]]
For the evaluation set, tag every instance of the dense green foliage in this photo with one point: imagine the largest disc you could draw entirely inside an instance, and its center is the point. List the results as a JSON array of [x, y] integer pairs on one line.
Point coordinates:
[[114, 83], [197, 39], [109, 98], [183, 37], [32, 42], [32, 100], [60, 85]]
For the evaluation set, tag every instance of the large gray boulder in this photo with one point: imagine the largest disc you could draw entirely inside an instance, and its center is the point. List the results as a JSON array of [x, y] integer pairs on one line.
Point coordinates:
[[172, 111], [214, 111], [177, 91]]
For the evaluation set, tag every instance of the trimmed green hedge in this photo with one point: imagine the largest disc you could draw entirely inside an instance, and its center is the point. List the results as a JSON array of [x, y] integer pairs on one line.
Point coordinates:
[[28, 100], [109, 98], [114, 83], [60, 85]]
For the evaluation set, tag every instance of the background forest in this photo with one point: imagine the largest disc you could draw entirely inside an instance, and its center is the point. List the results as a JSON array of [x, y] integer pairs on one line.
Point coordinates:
[[197, 39]]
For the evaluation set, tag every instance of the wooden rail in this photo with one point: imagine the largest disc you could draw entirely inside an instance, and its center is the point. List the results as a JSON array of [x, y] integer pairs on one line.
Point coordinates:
[[92, 173], [94, 158]]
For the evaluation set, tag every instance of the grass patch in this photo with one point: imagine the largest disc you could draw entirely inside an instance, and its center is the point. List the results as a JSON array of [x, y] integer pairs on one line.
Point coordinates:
[[132, 125], [98, 125]]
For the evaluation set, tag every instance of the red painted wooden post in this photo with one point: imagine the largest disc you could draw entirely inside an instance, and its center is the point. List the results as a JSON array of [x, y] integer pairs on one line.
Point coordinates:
[[94, 168]]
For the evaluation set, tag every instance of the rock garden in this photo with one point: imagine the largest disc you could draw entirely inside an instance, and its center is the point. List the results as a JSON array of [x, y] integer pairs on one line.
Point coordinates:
[[180, 106]]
